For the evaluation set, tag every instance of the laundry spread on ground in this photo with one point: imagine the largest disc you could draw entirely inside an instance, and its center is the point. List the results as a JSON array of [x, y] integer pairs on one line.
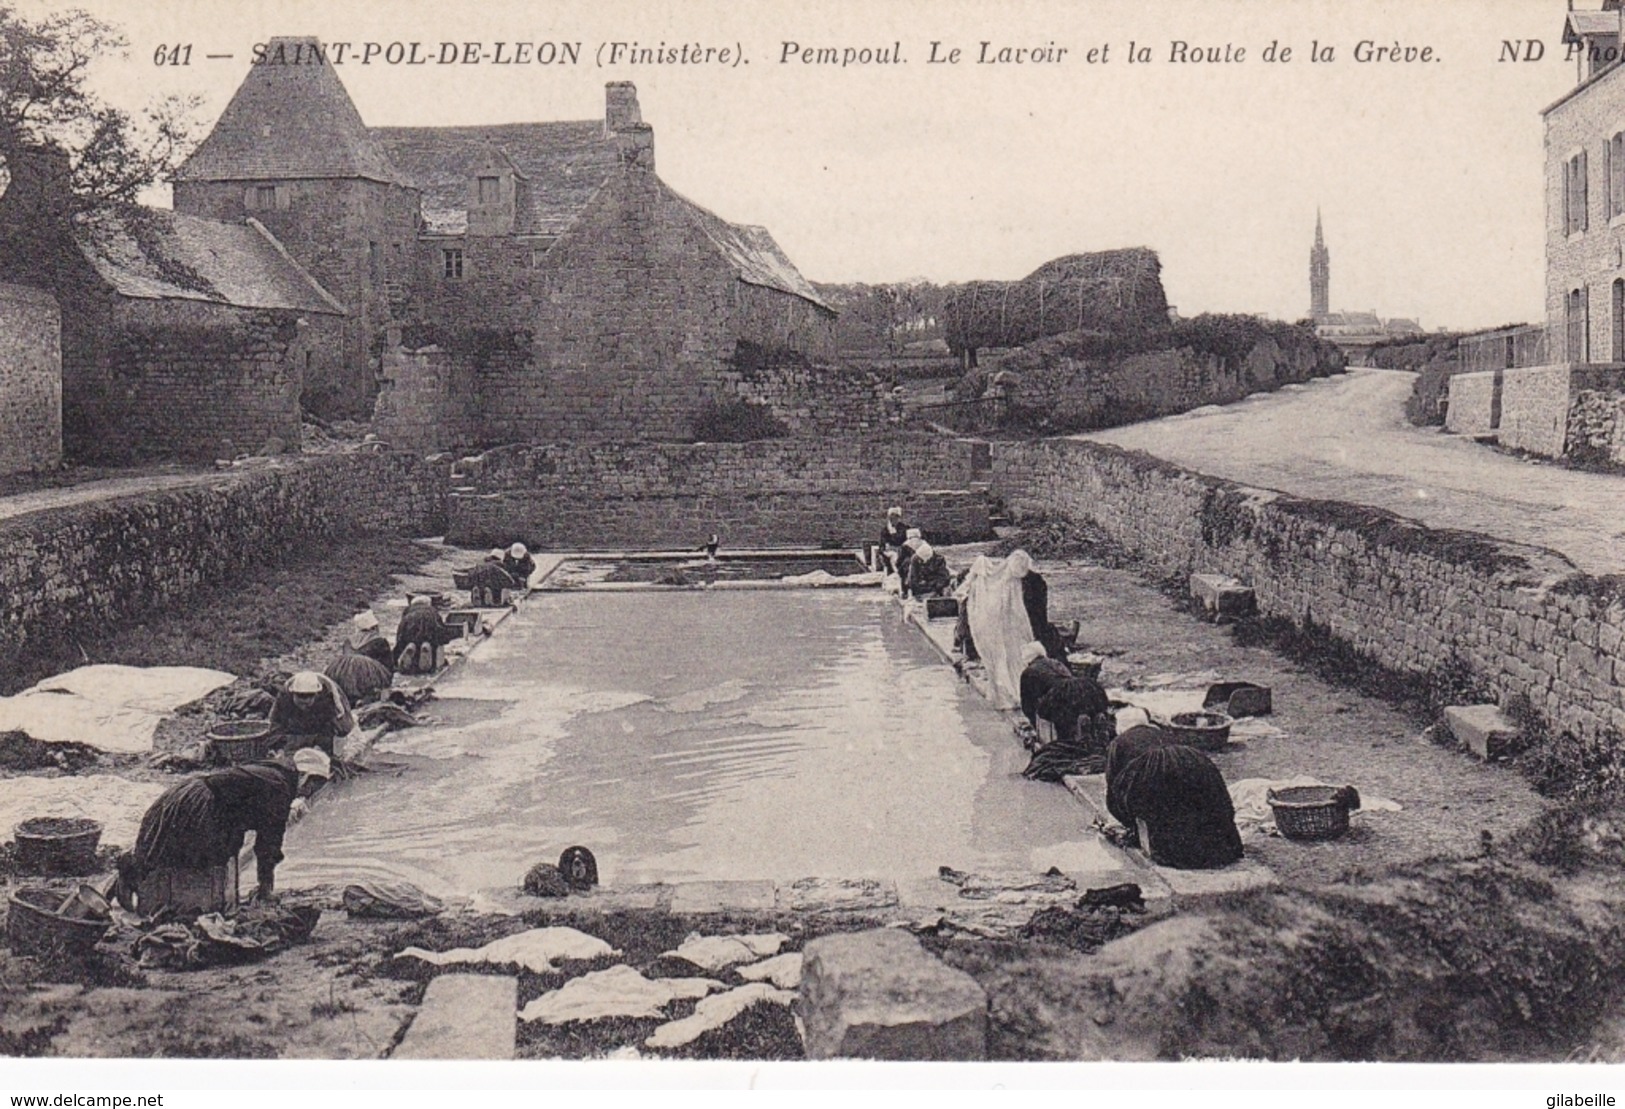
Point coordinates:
[[784, 971], [619, 991], [116, 803], [713, 1012], [112, 708], [716, 953], [538, 950]]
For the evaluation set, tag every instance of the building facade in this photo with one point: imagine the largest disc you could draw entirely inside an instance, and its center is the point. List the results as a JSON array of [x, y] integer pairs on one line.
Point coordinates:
[[1585, 198], [570, 290]]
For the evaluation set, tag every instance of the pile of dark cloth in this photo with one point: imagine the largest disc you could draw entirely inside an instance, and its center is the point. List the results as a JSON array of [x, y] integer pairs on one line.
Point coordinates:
[[1081, 715], [254, 932]]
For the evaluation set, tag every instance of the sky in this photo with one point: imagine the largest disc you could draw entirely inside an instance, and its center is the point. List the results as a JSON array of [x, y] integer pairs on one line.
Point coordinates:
[[1428, 174]]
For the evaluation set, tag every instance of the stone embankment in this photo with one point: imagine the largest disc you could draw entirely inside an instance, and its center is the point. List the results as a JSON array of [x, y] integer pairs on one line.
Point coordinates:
[[66, 571], [1439, 607]]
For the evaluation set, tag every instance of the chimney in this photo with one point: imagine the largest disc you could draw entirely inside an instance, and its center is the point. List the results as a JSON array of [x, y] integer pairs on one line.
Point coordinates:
[[621, 106], [636, 146]]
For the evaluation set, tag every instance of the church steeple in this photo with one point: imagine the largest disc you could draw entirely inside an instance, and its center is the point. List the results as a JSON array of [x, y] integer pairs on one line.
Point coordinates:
[[1320, 275]]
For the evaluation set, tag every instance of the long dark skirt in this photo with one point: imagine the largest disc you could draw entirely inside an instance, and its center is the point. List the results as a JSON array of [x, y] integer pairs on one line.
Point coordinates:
[[1181, 797], [185, 828]]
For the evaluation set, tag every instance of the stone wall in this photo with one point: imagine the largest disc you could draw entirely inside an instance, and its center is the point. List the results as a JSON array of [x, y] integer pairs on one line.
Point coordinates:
[[207, 381], [1596, 432], [1535, 404], [1419, 601], [811, 398], [68, 572], [427, 400], [779, 492], [1475, 403], [30, 380]]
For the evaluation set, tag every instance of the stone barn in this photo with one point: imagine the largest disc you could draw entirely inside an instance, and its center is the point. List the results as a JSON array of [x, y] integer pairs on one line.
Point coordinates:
[[181, 336]]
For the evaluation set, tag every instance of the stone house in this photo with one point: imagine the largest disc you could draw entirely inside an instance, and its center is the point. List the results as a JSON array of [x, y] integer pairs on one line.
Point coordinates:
[[1526, 406], [180, 335], [562, 288]]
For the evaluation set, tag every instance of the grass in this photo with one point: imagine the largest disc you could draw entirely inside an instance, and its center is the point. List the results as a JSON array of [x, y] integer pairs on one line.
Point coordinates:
[[270, 610]]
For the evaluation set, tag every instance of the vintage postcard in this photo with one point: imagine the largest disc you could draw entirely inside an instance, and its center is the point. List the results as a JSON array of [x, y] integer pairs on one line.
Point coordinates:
[[1005, 532]]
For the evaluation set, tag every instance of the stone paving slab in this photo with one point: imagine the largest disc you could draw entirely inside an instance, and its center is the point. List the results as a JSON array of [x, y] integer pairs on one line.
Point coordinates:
[[464, 1016], [723, 897]]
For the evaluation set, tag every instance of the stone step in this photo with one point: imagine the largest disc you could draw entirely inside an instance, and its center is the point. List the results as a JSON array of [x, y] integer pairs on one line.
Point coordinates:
[[464, 1016], [1483, 729]]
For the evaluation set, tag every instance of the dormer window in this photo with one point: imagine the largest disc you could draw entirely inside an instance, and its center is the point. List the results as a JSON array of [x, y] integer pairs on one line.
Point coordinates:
[[489, 189]]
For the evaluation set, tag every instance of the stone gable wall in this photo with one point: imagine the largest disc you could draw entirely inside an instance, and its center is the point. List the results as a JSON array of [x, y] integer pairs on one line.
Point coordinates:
[[1416, 600], [30, 380]]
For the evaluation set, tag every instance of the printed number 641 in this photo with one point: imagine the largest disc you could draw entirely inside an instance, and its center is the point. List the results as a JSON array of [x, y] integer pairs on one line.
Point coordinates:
[[179, 54]]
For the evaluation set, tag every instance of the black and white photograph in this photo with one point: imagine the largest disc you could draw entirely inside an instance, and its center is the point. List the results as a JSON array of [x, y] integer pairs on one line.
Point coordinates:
[[712, 542]]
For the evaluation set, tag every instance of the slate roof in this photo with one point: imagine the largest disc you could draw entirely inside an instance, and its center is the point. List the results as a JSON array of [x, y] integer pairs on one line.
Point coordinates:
[[751, 251], [292, 121], [157, 254], [563, 164]]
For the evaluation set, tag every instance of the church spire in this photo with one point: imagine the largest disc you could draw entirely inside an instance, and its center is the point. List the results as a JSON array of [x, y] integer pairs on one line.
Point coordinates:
[[1320, 275]]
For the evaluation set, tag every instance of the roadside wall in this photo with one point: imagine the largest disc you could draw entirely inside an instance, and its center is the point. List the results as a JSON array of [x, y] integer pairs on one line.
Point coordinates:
[[1475, 403], [70, 571], [1414, 599], [775, 492], [30, 380], [1596, 432]]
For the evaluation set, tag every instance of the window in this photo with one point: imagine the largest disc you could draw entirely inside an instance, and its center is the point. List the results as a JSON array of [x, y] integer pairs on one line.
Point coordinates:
[[1614, 169], [490, 190], [1576, 326], [1618, 353], [1574, 194], [375, 262], [265, 196], [452, 260]]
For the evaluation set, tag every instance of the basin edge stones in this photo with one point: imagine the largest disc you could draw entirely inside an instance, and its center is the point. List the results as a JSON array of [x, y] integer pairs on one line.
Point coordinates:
[[880, 995]]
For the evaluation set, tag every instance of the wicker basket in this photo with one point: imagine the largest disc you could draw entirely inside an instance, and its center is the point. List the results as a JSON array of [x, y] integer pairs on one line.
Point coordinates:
[[1205, 731], [235, 741], [35, 927], [1310, 812], [58, 845]]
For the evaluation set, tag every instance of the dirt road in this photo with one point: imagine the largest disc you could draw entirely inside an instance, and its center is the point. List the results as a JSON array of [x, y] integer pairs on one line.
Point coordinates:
[[1345, 438], [38, 500]]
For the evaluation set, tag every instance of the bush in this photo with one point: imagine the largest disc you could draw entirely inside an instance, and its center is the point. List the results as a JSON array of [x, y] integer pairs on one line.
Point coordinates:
[[737, 421]]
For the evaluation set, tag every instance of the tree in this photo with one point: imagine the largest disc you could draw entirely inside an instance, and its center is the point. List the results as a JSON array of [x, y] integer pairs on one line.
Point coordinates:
[[97, 153]]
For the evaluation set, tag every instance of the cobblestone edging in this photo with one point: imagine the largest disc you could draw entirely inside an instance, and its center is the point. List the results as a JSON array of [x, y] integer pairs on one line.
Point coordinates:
[[65, 571], [1419, 601]]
